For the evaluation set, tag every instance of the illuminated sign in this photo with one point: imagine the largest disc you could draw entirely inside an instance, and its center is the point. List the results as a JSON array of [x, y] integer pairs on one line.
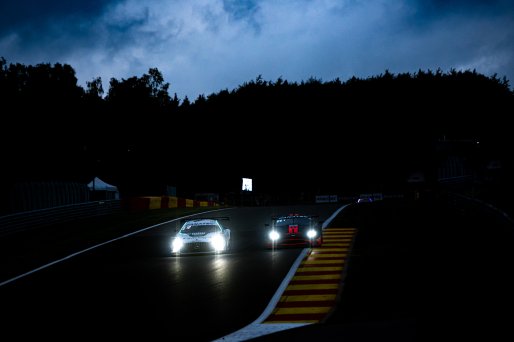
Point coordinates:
[[247, 184]]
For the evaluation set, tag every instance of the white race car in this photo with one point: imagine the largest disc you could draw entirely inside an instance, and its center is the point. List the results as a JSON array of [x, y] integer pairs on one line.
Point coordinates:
[[205, 235]]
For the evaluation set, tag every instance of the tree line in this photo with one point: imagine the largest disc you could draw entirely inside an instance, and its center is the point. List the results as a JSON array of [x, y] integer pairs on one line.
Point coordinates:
[[138, 136]]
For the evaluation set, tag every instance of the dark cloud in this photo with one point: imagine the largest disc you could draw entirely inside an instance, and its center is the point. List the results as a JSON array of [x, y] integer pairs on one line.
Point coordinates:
[[467, 4], [435, 8], [50, 30], [240, 9], [203, 46], [38, 13]]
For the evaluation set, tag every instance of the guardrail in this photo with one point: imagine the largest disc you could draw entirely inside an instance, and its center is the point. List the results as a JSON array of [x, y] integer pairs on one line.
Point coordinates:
[[43, 217], [471, 206]]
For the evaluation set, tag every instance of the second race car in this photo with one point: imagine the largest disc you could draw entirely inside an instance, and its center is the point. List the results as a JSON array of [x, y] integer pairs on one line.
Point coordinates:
[[294, 230]]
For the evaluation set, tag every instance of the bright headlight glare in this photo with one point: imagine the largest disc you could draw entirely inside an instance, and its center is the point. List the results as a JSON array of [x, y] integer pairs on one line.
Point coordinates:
[[311, 233], [218, 242], [273, 235], [177, 245]]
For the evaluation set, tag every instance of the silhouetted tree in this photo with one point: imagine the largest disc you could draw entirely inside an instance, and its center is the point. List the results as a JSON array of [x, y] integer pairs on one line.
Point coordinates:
[[95, 88], [380, 128]]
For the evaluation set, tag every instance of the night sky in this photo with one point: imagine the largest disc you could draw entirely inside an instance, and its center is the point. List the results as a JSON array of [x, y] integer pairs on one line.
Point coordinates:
[[203, 46]]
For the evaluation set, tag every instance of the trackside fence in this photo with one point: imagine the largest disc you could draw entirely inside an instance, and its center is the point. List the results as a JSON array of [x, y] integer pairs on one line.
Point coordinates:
[[43, 217]]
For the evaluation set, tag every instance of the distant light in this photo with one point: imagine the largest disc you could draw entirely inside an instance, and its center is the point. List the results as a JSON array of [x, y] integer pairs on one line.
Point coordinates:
[[478, 142], [247, 184]]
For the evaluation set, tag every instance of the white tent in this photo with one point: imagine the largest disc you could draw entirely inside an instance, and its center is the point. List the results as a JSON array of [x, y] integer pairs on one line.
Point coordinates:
[[99, 186]]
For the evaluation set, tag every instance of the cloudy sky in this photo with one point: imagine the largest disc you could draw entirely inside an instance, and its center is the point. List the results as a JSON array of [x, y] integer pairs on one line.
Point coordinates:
[[204, 46]]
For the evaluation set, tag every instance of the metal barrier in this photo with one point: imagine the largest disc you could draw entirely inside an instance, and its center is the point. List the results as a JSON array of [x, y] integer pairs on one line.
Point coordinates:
[[472, 206], [44, 217]]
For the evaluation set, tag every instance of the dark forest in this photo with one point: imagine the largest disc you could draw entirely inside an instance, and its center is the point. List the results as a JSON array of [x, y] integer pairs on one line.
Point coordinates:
[[314, 136]]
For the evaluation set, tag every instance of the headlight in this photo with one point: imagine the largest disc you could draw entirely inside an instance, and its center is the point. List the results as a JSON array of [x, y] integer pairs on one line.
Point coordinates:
[[218, 242], [177, 245], [311, 233], [273, 235]]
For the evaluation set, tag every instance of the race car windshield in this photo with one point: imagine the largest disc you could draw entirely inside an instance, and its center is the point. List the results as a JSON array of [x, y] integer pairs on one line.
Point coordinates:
[[293, 220], [200, 228]]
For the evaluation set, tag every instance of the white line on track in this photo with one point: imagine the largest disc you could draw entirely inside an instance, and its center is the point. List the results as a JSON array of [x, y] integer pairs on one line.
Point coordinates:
[[101, 244], [256, 328]]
